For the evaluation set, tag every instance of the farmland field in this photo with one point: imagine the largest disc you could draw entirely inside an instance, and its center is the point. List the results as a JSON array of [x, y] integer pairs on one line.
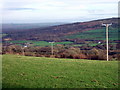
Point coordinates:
[[98, 34], [37, 43], [41, 72], [87, 36]]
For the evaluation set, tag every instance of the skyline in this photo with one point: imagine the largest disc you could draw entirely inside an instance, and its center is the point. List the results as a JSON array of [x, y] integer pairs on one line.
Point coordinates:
[[41, 11]]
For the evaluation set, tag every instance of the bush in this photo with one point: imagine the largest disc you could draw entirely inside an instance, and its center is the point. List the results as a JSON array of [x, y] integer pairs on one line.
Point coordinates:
[[61, 52]]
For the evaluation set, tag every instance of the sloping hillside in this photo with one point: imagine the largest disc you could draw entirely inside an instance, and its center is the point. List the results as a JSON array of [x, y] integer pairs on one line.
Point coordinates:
[[41, 72], [56, 32]]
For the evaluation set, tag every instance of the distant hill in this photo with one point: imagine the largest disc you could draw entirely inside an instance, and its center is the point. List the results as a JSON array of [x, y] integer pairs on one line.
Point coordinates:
[[25, 26], [57, 32]]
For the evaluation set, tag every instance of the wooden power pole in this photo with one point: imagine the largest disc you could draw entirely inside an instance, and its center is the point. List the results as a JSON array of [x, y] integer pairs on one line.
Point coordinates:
[[107, 25], [52, 47]]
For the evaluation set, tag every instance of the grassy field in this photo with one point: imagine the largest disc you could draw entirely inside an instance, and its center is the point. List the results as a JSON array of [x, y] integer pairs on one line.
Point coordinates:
[[41, 72], [38, 43], [98, 34]]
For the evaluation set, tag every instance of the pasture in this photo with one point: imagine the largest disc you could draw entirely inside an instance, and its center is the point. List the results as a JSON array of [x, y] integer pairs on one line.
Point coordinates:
[[37, 43], [87, 36], [42, 72], [98, 34]]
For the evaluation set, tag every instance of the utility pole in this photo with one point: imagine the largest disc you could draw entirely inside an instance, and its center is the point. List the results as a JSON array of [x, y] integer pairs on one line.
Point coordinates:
[[52, 47], [107, 25]]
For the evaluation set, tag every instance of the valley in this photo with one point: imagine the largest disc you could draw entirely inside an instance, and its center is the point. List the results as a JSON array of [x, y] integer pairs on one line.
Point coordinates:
[[83, 36]]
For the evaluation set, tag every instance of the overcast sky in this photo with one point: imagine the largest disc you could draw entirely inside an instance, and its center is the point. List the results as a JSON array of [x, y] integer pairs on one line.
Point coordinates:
[[37, 11]]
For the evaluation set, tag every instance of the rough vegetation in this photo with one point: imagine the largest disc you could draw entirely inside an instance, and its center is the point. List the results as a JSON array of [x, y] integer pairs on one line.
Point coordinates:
[[61, 51], [57, 32], [84, 40]]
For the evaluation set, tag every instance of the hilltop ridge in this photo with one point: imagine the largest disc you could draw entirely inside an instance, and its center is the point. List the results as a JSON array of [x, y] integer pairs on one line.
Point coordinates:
[[56, 32]]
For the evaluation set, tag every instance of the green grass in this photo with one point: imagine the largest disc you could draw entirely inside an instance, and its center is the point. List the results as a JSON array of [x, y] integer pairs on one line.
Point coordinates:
[[67, 42], [38, 43], [89, 44], [18, 41], [41, 72], [98, 34], [41, 43]]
